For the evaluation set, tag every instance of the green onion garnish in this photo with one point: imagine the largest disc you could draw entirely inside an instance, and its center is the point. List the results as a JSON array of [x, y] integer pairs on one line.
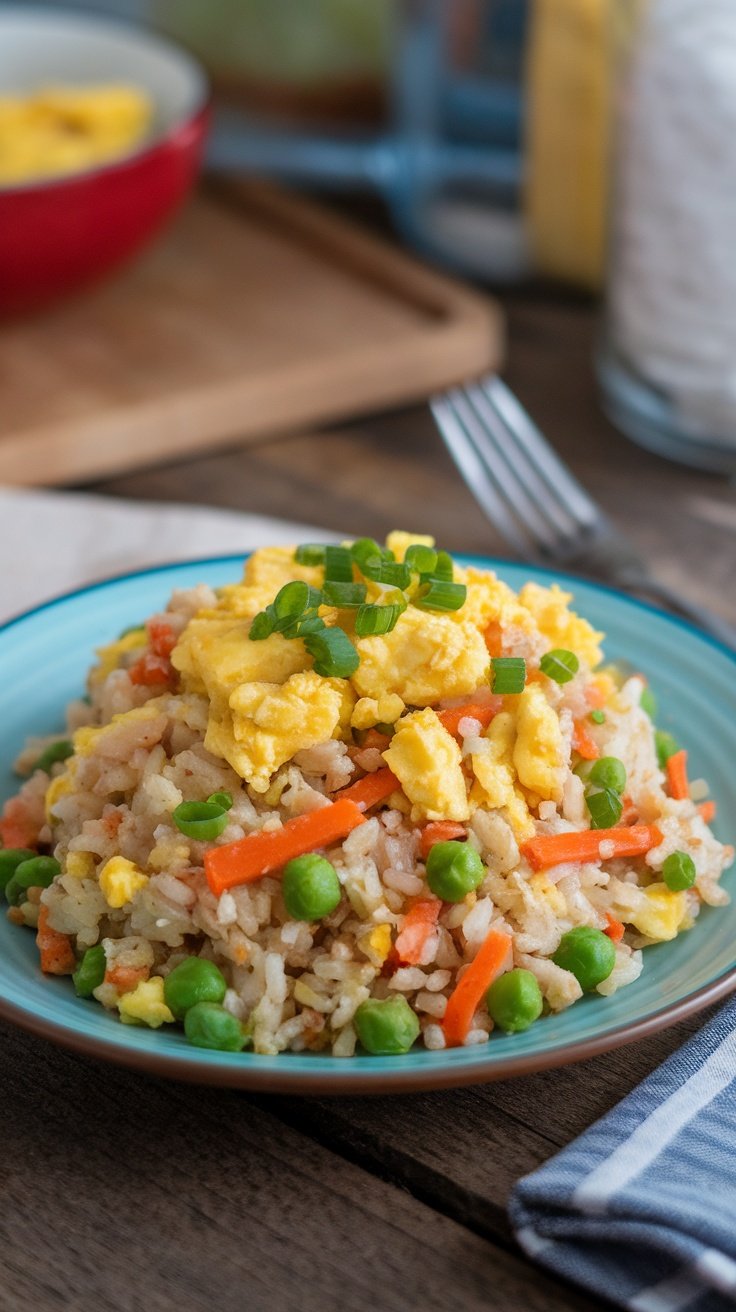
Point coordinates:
[[678, 871], [293, 599], [367, 549], [221, 799], [293, 605], [373, 620], [347, 595], [52, 754], [392, 573], [648, 703], [421, 559], [605, 807], [598, 717], [559, 665], [309, 553], [437, 594], [508, 674], [262, 626], [666, 745], [338, 564], [202, 821], [334, 655], [444, 567]]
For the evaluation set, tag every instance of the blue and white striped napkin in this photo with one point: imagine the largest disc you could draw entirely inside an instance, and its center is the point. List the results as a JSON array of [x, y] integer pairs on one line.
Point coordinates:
[[641, 1209]]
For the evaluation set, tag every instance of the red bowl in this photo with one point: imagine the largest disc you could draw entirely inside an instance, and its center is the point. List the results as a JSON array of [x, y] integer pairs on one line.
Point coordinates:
[[60, 234]]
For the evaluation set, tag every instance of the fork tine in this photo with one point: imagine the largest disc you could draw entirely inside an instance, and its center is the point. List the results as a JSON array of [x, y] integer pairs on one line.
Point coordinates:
[[556, 474], [475, 473], [546, 515]]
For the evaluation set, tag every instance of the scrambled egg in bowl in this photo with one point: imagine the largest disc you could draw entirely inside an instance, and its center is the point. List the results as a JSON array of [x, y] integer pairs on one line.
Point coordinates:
[[59, 130], [361, 798]]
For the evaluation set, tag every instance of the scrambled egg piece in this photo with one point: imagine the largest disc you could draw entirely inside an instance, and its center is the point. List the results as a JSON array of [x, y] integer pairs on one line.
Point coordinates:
[[145, 1005], [59, 787], [80, 865], [427, 761], [661, 915], [120, 880], [110, 656], [539, 752], [369, 711], [550, 610], [263, 725], [495, 781], [215, 656], [399, 542], [85, 740], [376, 943], [68, 129], [425, 658], [544, 887], [489, 600]]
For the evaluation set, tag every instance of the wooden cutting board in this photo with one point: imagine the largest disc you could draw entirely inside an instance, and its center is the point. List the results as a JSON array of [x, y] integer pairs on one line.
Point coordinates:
[[259, 313]]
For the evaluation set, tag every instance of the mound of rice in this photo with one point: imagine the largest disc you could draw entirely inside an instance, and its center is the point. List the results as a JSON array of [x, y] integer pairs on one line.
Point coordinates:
[[169, 718]]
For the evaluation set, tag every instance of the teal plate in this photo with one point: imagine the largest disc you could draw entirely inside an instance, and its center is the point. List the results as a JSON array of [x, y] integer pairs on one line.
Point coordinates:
[[44, 657]]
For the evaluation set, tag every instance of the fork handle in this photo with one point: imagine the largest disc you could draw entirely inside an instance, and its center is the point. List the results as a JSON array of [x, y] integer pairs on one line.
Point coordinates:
[[699, 615]]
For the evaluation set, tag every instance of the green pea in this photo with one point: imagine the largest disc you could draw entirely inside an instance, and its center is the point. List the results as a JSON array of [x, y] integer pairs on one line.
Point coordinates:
[[208, 1025], [10, 859], [90, 972], [36, 872], [588, 953], [453, 870], [609, 772], [388, 1027], [648, 703], [192, 981], [678, 871], [514, 1001], [666, 745], [54, 753], [310, 887]]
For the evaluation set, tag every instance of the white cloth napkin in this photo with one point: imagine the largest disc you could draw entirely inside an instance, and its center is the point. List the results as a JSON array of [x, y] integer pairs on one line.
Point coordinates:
[[51, 542]]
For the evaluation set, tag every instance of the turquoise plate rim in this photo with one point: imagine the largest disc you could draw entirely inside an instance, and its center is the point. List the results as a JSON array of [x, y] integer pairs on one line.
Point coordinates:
[[164, 1053]]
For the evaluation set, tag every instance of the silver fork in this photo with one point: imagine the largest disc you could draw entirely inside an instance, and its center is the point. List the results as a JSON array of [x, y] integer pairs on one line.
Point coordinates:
[[535, 502]]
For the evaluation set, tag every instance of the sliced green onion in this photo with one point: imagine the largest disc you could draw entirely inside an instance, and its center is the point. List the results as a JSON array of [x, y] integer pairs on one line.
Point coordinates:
[[305, 625], [678, 871], [445, 567], [221, 799], [392, 573], [437, 594], [598, 717], [367, 549], [292, 599], [605, 808], [345, 595], [609, 772], [666, 745], [508, 674], [373, 620], [338, 565], [559, 665], [334, 655], [202, 821], [648, 703], [262, 626], [309, 553], [421, 559], [54, 753]]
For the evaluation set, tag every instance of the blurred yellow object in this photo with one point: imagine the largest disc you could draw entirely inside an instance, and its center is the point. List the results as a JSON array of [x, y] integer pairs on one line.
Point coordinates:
[[69, 129], [569, 77]]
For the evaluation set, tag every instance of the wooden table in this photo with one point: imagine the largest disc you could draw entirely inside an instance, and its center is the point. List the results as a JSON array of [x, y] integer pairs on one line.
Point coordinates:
[[122, 1192]]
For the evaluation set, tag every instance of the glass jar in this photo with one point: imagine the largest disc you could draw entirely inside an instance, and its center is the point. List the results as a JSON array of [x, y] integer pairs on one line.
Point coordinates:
[[667, 365]]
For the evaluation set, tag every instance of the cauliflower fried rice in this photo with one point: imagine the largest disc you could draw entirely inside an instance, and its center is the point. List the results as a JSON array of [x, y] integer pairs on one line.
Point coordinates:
[[482, 786]]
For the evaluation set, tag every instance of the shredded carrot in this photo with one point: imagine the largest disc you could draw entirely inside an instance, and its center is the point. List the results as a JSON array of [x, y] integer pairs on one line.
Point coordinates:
[[371, 789], [17, 829], [419, 923], [161, 637], [707, 811], [374, 738], [439, 831], [481, 711], [125, 978], [57, 953], [583, 743], [150, 670], [677, 775], [553, 849], [493, 636], [258, 854], [614, 929], [493, 957]]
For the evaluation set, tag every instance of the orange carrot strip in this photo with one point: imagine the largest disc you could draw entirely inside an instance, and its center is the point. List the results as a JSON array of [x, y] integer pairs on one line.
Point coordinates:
[[677, 775], [125, 978], [151, 670], [481, 711], [439, 831], [161, 637], [258, 854], [17, 829], [493, 637], [57, 953], [553, 849], [584, 745], [614, 929], [707, 811], [493, 957], [369, 790], [419, 922]]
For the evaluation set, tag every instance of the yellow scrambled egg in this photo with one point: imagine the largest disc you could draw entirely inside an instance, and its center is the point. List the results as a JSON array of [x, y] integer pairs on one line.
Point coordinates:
[[109, 657], [495, 786], [550, 609], [661, 914], [539, 751], [68, 129], [426, 760], [146, 1005], [120, 880], [425, 658]]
